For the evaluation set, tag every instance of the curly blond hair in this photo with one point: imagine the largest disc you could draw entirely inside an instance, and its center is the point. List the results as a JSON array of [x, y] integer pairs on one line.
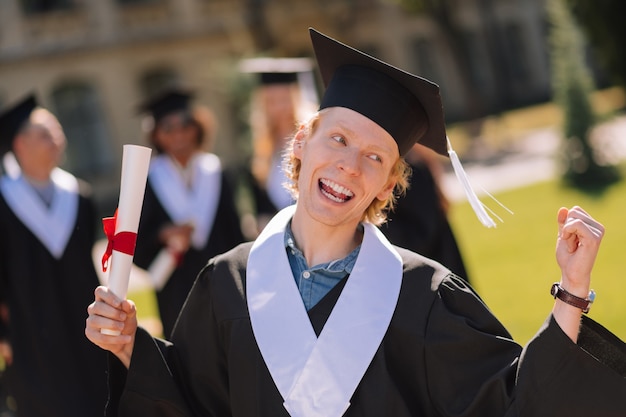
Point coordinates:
[[377, 211]]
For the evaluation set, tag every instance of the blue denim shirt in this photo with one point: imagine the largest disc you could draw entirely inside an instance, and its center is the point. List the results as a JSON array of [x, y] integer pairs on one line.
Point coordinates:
[[314, 283]]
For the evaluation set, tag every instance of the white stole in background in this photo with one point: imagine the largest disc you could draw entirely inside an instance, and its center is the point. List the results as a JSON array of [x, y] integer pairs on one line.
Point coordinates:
[[196, 205], [52, 225], [317, 376]]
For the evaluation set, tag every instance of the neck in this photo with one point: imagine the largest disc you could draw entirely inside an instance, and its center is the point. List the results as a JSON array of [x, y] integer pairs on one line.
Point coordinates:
[[182, 159], [39, 179], [322, 243]]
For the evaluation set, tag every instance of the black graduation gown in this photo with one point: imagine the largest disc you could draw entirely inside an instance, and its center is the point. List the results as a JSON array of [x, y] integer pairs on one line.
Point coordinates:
[[225, 234], [56, 370], [419, 223], [263, 204], [444, 354]]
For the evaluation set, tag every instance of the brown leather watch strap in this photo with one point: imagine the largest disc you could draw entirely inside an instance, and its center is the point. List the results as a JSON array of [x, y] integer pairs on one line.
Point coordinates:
[[583, 303]]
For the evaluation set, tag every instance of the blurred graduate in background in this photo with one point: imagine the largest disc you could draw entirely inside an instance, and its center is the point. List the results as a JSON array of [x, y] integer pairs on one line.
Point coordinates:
[[47, 230], [189, 212], [284, 94]]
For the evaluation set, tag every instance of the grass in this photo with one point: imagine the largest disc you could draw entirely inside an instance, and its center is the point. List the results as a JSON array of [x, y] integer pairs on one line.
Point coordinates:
[[147, 310], [513, 265]]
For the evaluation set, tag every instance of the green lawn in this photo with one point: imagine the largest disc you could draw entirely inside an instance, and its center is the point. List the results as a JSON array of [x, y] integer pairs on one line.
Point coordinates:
[[513, 265]]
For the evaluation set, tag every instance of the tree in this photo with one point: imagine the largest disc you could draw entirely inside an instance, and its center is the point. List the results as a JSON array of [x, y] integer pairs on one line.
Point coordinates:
[[603, 22], [572, 86]]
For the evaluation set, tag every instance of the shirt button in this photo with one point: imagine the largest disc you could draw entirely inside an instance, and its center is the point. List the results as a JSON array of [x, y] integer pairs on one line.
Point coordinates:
[[306, 274]]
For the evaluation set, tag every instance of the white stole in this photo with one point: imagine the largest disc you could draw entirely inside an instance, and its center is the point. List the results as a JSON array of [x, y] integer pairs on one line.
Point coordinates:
[[317, 376], [52, 225], [196, 205]]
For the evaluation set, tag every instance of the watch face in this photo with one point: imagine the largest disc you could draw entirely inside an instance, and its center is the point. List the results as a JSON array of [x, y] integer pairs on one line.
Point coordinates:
[[592, 296]]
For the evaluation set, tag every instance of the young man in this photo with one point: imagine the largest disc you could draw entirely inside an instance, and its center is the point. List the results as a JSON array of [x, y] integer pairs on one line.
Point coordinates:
[[47, 229], [321, 316]]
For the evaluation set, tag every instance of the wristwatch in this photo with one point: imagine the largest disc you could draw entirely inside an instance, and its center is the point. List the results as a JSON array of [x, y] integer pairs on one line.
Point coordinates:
[[583, 303]]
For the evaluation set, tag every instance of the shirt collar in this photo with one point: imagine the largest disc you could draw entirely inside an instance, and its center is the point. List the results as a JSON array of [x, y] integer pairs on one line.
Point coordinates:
[[344, 264]]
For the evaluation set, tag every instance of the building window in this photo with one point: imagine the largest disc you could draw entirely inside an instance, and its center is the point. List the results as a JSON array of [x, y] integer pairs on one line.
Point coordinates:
[[425, 59], [477, 61], [30, 7], [89, 154], [516, 53]]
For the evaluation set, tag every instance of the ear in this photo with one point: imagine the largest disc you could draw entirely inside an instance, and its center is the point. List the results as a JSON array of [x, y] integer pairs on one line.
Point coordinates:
[[298, 142], [387, 190]]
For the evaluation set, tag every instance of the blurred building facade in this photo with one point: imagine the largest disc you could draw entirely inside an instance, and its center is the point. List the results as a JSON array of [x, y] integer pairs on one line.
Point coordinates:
[[92, 61]]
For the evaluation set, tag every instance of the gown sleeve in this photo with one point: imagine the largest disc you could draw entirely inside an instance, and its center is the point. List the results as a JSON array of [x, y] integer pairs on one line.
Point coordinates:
[[158, 382], [474, 368], [148, 388]]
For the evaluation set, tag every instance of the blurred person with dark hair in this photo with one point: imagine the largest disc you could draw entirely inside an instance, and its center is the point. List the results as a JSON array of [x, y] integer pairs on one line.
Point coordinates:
[[189, 213], [47, 231]]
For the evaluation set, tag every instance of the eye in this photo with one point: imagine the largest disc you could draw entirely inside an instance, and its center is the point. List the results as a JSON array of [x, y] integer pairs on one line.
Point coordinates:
[[339, 139], [375, 157]]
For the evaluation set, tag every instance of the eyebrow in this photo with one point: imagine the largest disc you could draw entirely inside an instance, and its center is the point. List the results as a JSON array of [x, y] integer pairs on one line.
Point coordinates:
[[373, 147]]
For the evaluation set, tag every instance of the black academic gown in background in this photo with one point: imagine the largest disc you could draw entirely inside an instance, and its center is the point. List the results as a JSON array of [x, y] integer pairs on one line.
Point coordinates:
[[444, 354], [225, 234], [263, 205], [56, 370], [419, 223]]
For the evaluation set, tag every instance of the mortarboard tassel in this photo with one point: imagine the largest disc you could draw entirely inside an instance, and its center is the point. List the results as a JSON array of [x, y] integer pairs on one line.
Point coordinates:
[[476, 204]]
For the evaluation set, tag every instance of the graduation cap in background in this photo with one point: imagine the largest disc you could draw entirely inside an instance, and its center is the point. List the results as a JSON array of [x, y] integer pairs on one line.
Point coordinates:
[[12, 119], [407, 106], [273, 71], [276, 70], [166, 102]]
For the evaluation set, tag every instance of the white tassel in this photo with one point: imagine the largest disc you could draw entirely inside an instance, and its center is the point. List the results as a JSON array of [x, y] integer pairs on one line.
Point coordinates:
[[461, 175]]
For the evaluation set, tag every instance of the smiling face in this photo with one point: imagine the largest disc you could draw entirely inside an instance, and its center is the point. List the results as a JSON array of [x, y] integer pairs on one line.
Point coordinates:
[[345, 164], [178, 135]]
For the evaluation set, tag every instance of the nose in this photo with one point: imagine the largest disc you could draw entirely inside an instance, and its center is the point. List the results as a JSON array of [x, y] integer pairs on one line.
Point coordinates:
[[350, 163]]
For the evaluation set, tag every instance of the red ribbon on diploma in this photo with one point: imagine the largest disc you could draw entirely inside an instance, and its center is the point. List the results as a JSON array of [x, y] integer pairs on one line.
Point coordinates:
[[122, 242]]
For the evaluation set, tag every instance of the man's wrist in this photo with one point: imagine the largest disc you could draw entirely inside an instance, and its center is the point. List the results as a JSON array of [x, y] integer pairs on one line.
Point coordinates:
[[560, 293]]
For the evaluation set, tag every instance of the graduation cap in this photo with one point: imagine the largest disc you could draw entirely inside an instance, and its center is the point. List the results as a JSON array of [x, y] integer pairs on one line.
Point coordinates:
[[12, 119], [407, 106], [276, 70], [167, 102]]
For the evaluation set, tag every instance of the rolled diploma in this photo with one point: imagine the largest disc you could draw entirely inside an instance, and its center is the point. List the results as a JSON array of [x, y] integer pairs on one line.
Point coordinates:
[[135, 164]]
